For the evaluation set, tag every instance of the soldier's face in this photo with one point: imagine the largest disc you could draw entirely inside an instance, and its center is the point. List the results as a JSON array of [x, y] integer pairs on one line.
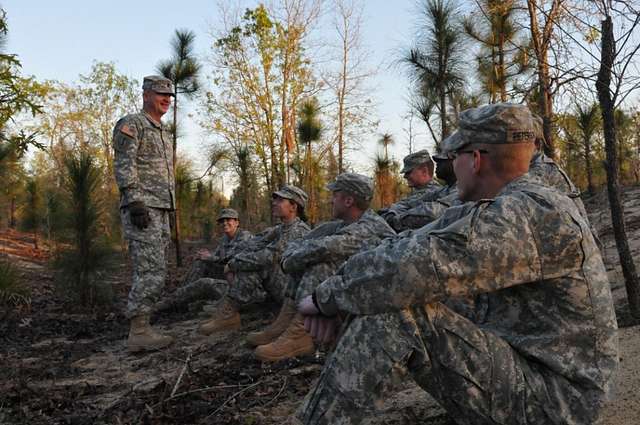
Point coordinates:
[[340, 203], [156, 103], [418, 177], [465, 167], [444, 170], [229, 226], [282, 208]]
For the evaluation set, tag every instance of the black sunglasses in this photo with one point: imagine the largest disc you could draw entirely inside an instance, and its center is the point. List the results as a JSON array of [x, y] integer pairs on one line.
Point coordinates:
[[454, 154]]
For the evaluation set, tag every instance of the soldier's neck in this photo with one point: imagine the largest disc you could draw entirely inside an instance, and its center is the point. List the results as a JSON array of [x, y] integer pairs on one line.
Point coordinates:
[[154, 117]]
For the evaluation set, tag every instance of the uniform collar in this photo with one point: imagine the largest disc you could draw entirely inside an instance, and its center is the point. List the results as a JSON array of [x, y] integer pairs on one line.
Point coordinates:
[[151, 120]]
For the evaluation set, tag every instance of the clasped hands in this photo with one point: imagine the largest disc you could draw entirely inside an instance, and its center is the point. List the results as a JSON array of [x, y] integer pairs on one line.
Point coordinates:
[[323, 329]]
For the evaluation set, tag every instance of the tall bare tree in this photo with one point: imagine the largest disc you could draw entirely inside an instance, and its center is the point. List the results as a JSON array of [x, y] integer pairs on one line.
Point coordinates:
[[618, 51], [349, 83]]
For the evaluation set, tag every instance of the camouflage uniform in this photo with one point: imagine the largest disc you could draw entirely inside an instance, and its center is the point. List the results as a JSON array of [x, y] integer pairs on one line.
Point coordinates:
[[546, 350], [548, 173], [204, 280], [425, 212], [430, 208], [143, 164], [258, 273], [318, 255], [428, 192]]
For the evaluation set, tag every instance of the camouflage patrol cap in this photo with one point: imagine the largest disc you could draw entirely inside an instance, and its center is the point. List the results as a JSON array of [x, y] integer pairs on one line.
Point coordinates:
[[416, 159], [500, 123], [355, 184], [292, 193], [445, 147], [227, 213], [158, 84]]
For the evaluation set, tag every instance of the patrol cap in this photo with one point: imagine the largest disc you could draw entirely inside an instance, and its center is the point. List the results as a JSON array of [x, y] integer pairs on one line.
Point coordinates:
[[227, 213], [158, 84], [355, 184], [292, 193], [499, 123], [445, 147], [416, 159]]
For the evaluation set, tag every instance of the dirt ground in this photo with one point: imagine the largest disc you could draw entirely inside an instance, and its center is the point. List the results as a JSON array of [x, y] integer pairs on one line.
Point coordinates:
[[61, 365]]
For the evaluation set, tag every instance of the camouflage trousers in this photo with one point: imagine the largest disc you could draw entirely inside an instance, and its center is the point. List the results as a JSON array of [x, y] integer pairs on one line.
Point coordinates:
[[204, 288], [475, 375], [299, 287], [148, 251], [254, 287]]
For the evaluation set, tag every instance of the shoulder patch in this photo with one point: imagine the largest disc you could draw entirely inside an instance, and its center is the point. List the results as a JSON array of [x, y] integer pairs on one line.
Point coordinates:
[[127, 130]]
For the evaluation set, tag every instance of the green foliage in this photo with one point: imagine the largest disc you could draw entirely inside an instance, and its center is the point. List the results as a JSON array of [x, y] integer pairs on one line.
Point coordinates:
[[32, 216], [13, 293], [84, 261], [436, 62]]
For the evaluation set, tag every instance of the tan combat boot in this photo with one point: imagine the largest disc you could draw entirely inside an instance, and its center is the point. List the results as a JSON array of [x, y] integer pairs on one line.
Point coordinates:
[[225, 318], [294, 341], [276, 328], [142, 337]]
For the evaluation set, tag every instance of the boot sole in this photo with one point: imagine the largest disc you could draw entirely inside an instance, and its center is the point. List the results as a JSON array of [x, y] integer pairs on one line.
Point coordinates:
[[295, 353], [260, 340]]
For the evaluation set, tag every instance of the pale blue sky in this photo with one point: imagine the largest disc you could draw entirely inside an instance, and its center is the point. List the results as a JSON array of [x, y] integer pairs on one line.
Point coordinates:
[[60, 40]]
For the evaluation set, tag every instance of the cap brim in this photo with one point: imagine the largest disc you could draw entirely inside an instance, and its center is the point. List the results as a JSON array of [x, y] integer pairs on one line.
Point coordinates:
[[332, 186], [406, 170], [170, 93], [440, 157], [281, 194]]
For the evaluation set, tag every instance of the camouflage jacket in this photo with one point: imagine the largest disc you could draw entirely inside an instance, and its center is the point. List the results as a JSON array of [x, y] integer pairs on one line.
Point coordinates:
[[143, 162], [227, 247], [547, 172], [427, 193], [530, 252], [425, 212], [335, 241], [267, 256]]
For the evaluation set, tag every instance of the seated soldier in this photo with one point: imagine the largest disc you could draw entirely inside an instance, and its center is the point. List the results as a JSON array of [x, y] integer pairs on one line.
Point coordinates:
[[317, 256], [257, 273], [418, 171], [545, 352], [549, 173], [205, 279], [431, 209]]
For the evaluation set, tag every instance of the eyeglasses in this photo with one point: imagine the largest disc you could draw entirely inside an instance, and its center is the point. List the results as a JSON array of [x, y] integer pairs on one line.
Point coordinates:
[[455, 154]]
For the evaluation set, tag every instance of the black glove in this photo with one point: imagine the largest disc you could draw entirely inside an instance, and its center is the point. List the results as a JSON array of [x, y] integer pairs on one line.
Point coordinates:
[[139, 214]]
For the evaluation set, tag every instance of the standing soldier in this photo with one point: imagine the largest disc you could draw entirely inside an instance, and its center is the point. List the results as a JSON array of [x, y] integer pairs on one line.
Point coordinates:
[[144, 172]]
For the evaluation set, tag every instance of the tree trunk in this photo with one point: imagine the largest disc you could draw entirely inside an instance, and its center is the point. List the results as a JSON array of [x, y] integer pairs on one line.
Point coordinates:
[[587, 159], [176, 234], [12, 213], [617, 210]]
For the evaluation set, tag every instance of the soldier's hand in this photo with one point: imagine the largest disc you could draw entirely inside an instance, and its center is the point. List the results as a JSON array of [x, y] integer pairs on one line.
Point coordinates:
[[203, 254], [139, 214], [322, 329], [307, 307]]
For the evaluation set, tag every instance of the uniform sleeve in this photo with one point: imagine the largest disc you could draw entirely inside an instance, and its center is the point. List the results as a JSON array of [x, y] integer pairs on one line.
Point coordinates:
[[334, 248], [125, 143], [422, 214], [484, 251], [253, 260]]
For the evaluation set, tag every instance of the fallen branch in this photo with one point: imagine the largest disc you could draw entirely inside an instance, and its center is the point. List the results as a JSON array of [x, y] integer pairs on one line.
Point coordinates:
[[184, 368], [284, 384], [232, 397]]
